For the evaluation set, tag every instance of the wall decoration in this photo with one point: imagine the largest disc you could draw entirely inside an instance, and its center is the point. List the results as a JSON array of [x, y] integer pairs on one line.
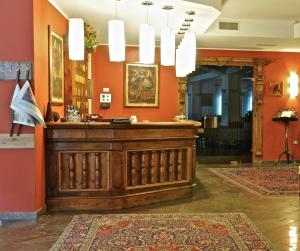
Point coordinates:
[[275, 88], [56, 69], [141, 85]]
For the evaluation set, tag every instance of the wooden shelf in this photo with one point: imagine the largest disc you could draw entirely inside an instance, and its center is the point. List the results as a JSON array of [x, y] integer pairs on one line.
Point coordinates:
[[76, 83]]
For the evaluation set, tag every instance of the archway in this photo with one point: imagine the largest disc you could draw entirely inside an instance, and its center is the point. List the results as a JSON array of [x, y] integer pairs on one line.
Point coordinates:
[[258, 65]]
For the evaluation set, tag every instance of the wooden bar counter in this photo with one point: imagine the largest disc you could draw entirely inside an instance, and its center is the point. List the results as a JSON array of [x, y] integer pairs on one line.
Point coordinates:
[[103, 166]]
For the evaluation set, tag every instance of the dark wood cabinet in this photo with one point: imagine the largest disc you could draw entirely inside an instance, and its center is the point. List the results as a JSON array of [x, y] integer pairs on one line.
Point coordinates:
[[104, 166]]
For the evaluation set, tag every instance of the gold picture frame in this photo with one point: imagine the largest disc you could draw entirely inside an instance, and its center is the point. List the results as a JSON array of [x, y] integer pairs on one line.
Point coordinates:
[[141, 85], [56, 68], [276, 88]]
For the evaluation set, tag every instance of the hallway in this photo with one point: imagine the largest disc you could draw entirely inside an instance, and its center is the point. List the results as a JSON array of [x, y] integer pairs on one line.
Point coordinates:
[[277, 218]]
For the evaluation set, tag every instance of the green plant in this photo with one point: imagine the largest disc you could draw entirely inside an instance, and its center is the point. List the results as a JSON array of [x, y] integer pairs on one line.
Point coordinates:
[[90, 38]]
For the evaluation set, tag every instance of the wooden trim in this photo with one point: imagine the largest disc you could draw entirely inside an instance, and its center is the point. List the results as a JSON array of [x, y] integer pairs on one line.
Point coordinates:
[[26, 141], [258, 65], [119, 202]]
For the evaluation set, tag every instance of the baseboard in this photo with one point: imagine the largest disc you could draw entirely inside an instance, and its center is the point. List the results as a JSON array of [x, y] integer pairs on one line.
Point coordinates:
[[7, 216]]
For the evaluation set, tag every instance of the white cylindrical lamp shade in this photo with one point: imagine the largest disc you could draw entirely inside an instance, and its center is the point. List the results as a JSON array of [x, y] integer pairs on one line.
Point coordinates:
[[146, 44], [180, 67], [76, 39], [190, 51], [167, 47], [116, 40]]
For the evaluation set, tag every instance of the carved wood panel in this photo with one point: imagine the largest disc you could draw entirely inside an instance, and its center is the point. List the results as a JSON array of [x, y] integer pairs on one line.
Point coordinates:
[[258, 91], [156, 167], [85, 171]]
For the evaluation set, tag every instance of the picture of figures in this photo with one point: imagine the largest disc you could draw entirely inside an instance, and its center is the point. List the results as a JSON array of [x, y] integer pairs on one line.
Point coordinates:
[[141, 85], [276, 88], [56, 69]]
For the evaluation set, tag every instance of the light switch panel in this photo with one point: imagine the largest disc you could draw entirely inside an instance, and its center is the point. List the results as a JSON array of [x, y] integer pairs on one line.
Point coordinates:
[[105, 98]]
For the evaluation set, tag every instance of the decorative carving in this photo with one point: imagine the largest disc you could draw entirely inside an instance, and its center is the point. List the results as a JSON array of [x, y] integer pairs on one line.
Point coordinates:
[[71, 167], [170, 163], [258, 91], [49, 113], [97, 167], [179, 165], [182, 96], [83, 171]]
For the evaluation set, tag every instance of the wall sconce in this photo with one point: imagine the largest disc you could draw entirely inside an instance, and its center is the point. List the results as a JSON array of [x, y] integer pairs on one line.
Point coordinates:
[[294, 86]]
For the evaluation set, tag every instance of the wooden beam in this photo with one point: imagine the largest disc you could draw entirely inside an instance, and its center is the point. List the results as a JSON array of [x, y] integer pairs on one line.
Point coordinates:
[[24, 141]]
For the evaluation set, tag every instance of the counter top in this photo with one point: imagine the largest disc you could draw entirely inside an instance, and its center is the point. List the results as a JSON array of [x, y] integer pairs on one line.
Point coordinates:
[[184, 123]]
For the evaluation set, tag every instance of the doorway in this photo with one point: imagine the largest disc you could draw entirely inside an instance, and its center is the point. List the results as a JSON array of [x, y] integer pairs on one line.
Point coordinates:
[[221, 98]]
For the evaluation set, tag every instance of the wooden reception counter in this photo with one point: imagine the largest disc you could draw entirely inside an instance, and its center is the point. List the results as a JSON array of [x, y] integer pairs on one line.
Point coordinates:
[[102, 166]]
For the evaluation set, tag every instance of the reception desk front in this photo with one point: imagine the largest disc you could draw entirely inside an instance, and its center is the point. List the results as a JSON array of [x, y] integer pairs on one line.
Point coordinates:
[[102, 166]]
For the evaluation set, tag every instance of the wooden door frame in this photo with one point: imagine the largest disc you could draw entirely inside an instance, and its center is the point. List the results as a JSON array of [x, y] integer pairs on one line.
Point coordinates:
[[258, 65]]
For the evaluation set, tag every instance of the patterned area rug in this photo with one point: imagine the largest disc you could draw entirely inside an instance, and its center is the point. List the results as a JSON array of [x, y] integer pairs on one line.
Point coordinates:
[[263, 181], [161, 233]]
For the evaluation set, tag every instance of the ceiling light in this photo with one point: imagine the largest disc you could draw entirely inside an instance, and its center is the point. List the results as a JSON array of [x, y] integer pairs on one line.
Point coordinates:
[[146, 40], [116, 39], [186, 55], [167, 47], [167, 44], [190, 51], [180, 70], [76, 39]]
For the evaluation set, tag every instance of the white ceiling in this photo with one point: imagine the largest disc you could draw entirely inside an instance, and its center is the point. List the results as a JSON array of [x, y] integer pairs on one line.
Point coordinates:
[[263, 24]]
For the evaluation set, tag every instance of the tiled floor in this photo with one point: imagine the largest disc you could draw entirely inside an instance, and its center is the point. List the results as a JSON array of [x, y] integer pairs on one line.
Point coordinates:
[[277, 218]]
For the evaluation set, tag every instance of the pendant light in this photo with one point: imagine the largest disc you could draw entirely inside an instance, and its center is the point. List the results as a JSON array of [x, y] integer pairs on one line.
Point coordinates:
[[180, 69], [76, 39], [146, 40], [190, 51], [186, 55], [167, 42], [116, 38], [187, 49]]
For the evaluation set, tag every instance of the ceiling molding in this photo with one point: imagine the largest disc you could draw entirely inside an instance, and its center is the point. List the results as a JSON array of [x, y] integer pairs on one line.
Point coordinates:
[[59, 9]]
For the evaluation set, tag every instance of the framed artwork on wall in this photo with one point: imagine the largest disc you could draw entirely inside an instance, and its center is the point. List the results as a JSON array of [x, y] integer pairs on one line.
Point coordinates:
[[56, 68], [141, 85], [276, 88]]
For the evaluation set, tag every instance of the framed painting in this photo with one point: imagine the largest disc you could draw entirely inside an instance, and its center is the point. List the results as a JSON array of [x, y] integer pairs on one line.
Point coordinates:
[[276, 88], [56, 68], [141, 85]]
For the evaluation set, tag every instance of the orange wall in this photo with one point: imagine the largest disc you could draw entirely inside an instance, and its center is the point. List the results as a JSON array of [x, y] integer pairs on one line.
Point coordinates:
[[44, 14], [17, 167], [107, 74], [24, 37]]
